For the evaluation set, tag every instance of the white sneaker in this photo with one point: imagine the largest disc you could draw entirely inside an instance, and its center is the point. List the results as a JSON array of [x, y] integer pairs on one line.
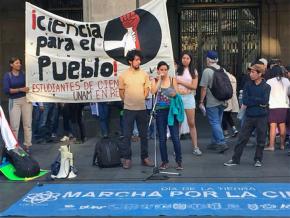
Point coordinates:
[[230, 163], [64, 139], [196, 151], [258, 163]]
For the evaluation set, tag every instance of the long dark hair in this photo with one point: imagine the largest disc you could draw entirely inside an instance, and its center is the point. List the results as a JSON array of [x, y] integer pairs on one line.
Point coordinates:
[[277, 72], [191, 68]]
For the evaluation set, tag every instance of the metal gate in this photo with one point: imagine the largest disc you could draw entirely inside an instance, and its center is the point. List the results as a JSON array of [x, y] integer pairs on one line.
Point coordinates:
[[233, 31]]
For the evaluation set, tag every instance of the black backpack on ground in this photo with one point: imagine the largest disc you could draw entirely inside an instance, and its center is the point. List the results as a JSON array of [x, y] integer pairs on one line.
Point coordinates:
[[107, 153], [24, 164], [221, 87]]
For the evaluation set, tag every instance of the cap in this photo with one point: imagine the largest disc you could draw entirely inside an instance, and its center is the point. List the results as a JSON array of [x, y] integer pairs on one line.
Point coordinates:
[[212, 55], [257, 67], [264, 61]]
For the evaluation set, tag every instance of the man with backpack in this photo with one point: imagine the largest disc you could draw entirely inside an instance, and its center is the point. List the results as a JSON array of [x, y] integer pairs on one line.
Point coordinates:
[[215, 89]]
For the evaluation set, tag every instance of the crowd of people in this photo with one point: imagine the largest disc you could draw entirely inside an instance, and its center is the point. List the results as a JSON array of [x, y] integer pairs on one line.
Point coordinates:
[[262, 108]]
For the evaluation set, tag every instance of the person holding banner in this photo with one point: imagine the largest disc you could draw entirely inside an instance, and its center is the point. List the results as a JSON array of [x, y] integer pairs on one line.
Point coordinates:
[[14, 87], [134, 86]]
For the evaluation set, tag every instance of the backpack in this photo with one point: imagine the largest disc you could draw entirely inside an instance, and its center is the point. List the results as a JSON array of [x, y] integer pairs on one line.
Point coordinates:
[[55, 166], [107, 153], [24, 164], [221, 87]]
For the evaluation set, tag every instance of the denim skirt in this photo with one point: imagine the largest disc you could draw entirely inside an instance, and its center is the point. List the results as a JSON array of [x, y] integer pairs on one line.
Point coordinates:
[[188, 101]]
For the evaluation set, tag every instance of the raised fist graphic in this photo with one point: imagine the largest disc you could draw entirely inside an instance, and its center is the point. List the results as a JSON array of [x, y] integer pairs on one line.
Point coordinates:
[[130, 21]]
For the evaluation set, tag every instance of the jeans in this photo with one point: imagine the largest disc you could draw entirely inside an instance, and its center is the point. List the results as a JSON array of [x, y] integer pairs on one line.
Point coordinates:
[[121, 123], [55, 120], [36, 117], [76, 118], [251, 123], [141, 118], [66, 118], [103, 108], [162, 123], [151, 127], [215, 116], [227, 119], [47, 120]]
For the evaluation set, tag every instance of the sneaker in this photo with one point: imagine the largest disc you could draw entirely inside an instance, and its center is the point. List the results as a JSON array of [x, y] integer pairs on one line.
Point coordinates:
[[179, 166], [163, 166], [258, 163], [269, 148], [211, 146], [235, 133], [196, 151], [222, 148], [127, 164], [226, 134], [53, 135], [64, 139], [230, 163]]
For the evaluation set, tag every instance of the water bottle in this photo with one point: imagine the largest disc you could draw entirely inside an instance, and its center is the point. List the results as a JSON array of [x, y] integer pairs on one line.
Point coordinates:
[[240, 97], [203, 110]]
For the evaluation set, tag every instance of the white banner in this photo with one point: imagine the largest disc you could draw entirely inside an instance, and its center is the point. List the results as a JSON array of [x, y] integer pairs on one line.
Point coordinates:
[[71, 61]]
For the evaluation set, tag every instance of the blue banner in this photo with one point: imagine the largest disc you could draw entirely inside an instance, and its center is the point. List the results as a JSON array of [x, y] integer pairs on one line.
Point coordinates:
[[154, 199]]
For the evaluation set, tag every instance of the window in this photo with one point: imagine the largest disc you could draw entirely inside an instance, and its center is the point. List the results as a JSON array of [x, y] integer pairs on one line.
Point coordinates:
[[72, 9]]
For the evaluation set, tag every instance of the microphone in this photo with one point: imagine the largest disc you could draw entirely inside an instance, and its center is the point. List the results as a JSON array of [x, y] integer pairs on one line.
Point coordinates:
[[159, 79]]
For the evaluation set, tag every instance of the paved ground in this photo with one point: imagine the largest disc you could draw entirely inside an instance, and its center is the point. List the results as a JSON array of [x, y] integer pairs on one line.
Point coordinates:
[[206, 168]]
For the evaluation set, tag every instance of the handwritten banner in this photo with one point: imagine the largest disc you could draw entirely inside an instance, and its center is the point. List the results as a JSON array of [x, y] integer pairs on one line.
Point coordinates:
[[71, 61]]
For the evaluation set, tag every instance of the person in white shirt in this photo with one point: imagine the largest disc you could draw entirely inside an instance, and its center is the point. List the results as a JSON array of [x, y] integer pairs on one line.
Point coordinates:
[[278, 104]]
